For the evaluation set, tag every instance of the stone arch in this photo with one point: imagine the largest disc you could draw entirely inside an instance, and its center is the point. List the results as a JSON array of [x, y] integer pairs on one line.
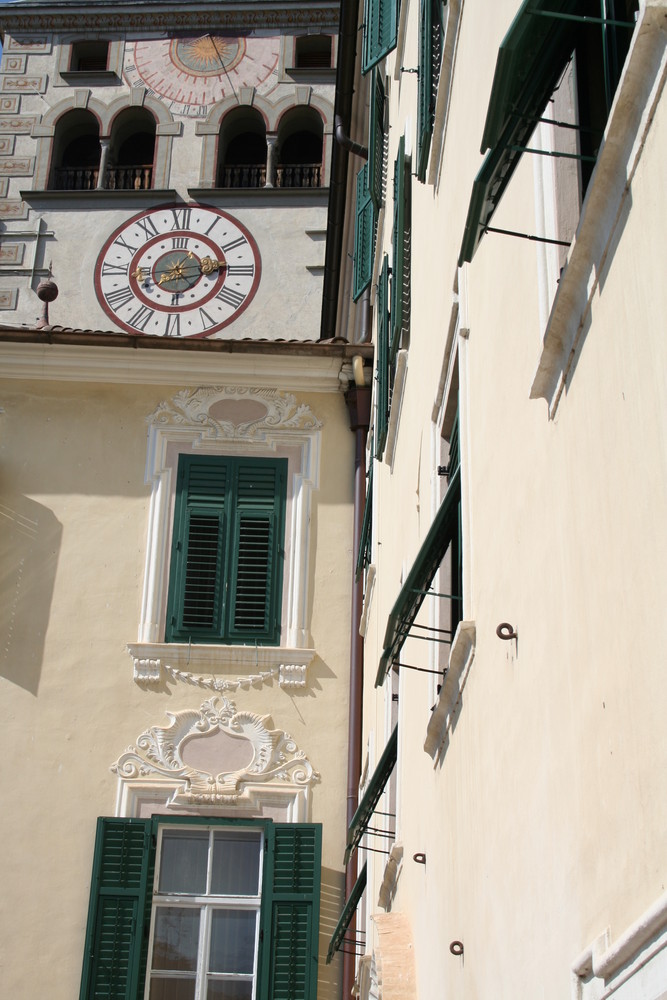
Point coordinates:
[[210, 130], [300, 148], [46, 131]]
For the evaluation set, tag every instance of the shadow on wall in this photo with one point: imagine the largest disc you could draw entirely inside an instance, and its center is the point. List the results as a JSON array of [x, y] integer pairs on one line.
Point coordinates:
[[329, 977], [30, 538]]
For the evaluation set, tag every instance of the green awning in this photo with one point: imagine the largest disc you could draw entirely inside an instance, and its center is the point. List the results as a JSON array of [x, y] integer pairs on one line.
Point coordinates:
[[346, 916], [419, 579], [531, 58], [371, 796]]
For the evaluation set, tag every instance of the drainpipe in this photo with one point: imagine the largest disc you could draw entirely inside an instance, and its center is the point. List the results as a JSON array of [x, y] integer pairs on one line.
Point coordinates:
[[358, 400]]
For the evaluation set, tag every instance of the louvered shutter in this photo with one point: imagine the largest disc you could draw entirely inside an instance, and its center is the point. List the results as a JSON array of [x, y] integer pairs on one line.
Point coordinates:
[[117, 930], [196, 593], [376, 140], [424, 87], [291, 903], [382, 394], [380, 31], [364, 234], [399, 237], [256, 566], [365, 538]]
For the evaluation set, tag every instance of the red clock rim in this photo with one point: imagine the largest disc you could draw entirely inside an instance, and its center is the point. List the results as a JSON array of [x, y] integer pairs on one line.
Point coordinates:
[[160, 208]]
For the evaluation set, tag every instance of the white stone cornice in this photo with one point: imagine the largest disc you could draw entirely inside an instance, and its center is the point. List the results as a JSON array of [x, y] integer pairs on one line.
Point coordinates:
[[70, 363]]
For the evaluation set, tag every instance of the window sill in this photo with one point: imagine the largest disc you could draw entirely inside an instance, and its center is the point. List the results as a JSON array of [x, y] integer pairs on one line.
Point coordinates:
[[460, 660], [96, 76], [100, 194], [396, 406], [625, 137], [220, 667], [242, 196]]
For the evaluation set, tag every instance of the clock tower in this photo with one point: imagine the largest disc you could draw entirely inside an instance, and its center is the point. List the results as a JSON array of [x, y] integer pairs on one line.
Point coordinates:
[[169, 167]]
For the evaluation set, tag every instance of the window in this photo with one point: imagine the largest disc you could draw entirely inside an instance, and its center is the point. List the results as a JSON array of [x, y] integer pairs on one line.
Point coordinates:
[[203, 909], [430, 56], [313, 52], [300, 136], [242, 150], [132, 151], [226, 562], [380, 31], [89, 57], [533, 57], [76, 152]]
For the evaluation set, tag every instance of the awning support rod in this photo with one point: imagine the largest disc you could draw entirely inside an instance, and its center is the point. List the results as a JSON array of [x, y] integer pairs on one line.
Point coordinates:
[[552, 152], [422, 670], [380, 833], [527, 236], [582, 18], [375, 850], [429, 638]]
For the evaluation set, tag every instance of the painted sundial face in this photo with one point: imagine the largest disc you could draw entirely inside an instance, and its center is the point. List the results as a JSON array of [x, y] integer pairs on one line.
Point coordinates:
[[177, 271], [192, 74]]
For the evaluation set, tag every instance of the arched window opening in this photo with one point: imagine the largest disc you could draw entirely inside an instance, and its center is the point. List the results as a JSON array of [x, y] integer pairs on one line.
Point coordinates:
[[300, 150], [313, 52], [76, 152], [242, 150], [132, 151]]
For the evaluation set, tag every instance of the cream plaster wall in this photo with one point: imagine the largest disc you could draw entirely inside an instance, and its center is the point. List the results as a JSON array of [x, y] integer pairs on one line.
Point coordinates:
[[72, 460], [543, 820]]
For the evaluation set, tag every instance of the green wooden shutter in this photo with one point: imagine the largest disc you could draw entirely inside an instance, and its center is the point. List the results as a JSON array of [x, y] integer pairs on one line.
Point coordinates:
[[116, 932], [292, 895], [364, 235], [425, 98], [376, 140], [382, 393], [256, 566], [380, 31], [365, 539], [399, 236], [196, 593]]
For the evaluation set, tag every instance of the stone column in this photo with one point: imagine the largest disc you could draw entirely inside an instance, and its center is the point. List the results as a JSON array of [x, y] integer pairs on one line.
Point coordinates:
[[271, 155], [104, 160]]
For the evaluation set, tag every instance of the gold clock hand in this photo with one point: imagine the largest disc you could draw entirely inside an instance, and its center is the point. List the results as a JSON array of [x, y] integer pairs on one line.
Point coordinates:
[[209, 265]]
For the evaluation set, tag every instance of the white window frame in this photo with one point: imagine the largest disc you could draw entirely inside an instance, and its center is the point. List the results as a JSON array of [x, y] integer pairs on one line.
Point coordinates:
[[206, 905], [187, 423]]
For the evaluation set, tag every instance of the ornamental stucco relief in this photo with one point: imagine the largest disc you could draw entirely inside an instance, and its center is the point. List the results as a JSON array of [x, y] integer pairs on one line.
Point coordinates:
[[158, 754]]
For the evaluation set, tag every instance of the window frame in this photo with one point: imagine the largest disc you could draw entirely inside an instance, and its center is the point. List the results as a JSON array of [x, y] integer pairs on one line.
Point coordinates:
[[187, 424]]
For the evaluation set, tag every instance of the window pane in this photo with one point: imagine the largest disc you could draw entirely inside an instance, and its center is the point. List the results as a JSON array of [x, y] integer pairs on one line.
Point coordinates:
[[236, 859], [172, 989], [228, 989], [233, 941], [176, 938], [183, 860]]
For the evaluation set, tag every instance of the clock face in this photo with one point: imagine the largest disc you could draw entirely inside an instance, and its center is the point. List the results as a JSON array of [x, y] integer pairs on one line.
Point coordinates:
[[192, 74], [178, 271]]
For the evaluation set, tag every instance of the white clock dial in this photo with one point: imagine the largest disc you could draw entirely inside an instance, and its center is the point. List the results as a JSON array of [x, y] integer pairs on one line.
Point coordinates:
[[178, 271], [192, 74]]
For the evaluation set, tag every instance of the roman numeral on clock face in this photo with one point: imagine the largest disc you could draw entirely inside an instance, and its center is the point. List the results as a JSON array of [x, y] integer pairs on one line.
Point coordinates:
[[112, 270], [241, 270], [179, 242], [148, 226], [141, 318], [241, 241], [230, 296], [181, 217], [119, 297]]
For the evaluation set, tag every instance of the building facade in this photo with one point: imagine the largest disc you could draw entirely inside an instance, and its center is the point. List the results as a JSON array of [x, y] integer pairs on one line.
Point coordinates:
[[503, 242], [177, 502]]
